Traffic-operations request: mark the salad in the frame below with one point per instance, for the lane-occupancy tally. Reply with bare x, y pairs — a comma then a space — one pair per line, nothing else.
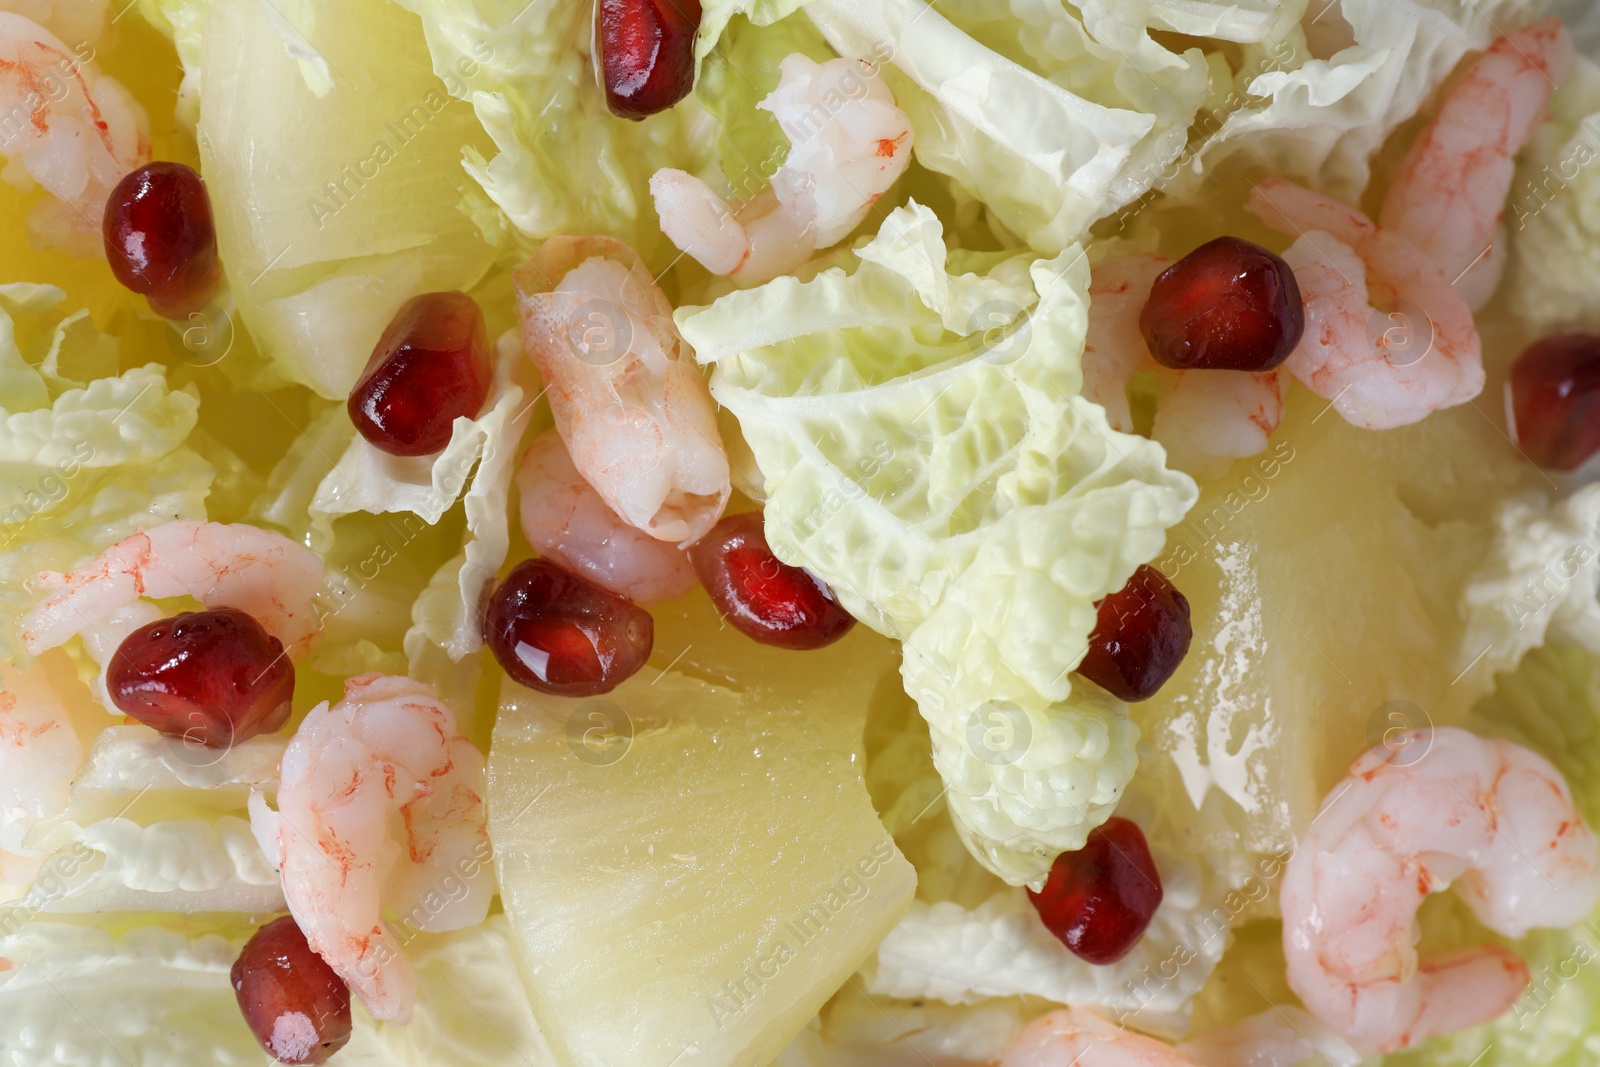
717, 533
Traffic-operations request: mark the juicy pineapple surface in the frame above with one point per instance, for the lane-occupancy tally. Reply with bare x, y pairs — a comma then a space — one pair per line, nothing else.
691, 864
1323, 579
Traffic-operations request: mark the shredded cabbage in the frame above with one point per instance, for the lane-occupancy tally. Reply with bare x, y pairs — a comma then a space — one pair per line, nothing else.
1337, 88
84, 460
565, 164
1024, 107
1553, 216
924, 449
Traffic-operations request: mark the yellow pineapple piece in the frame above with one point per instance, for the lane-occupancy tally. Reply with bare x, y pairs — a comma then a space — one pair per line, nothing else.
691, 864
1323, 579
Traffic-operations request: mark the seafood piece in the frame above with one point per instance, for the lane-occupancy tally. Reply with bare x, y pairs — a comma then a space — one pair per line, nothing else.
66, 127
1113, 348
1078, 1037
848, 142
628, 399
380, 806
1206, 415
40, 751
1085, 1038
567, 521
1410, 820
1387, 339
1210, 415
262, 573
1449, 195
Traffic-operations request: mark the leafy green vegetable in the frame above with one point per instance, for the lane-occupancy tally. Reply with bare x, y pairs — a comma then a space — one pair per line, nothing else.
1336, 89
1554, 213
152, 996
1026, 109
924, 448
565, 164
81, 465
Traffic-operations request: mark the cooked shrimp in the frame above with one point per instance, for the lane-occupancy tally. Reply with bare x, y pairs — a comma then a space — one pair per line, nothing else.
1206, 415
257, 571
1401, 826
1211, 415
1078, 1037
1379, 368
1449, 195
66, 127
848, 142
103, 639
1113, 348
380, 804
565, 519
1083, 1038
628, 399
40, 751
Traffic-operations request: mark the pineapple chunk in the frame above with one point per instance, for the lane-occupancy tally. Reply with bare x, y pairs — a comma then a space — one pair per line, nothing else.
1323, 579
691, 864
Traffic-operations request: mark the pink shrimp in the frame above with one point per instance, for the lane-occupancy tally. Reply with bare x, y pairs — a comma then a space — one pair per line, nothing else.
239, 566
40, 750
1387, 339
848, 143
380, 804
565, 519
1079, 1037
1408, 821
1449, 194
628, 400
72, 130
1205, 415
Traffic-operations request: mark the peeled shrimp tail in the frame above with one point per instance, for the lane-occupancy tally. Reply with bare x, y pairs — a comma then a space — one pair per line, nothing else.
1380, 366
848, 143
1487, 815
629, 401
70, 129
567, 521
698, 221
1449, 195
257, 571
380, 806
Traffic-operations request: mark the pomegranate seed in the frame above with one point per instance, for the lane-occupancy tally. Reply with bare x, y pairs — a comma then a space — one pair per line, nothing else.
1555, 400
431, 367
760, 595
646, 53
1099, 899
294, 1003
557, 633
1228, 305
213, 678
1140, 636
160, 240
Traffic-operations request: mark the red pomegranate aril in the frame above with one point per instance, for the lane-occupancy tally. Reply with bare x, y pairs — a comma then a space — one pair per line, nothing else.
1099, 899
294, 1003
213, 678
1554, 395
761, 596
558, 633
1141, 634
160, 239
431, 366
1228, 305
646, 53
